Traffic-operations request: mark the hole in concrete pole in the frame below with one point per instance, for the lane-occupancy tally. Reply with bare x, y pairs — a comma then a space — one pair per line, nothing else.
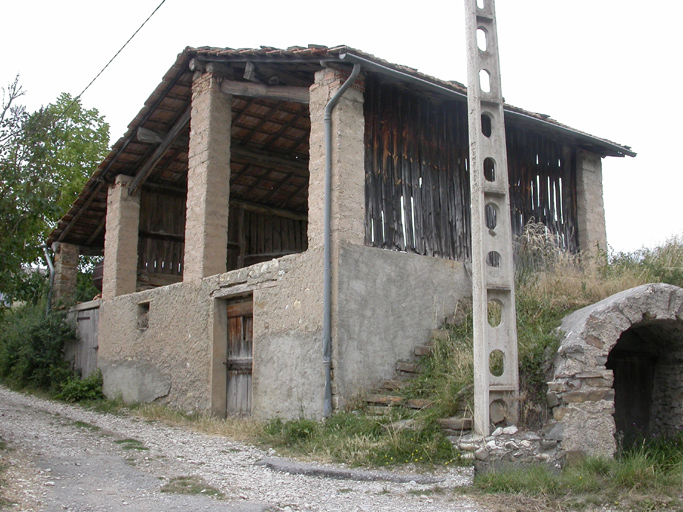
493, 259
482, 39
480, 4
484, 81
495, 312
496, 363
491, 214
486, 124
490, 169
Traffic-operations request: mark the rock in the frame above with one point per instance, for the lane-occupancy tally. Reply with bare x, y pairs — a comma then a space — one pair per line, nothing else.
497, 412
548, 444
497, 432
467, 447
553, 431
525, 443
481, 454
510, 431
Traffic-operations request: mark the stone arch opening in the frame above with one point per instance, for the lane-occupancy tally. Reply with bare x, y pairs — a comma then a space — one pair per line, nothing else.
618, 372
647, 363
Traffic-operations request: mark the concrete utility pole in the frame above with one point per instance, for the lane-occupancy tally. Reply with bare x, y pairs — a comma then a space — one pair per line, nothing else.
496, 379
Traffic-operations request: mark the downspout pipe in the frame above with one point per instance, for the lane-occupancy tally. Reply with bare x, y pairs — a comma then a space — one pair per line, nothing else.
52, 278
327, 242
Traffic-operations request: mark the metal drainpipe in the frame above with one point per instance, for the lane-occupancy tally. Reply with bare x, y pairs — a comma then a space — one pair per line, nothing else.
327, 275
52, 278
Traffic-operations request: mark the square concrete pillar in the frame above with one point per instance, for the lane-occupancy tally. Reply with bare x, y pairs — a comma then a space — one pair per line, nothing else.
590, 205
66, 271
120, 271
208, 180
348, 161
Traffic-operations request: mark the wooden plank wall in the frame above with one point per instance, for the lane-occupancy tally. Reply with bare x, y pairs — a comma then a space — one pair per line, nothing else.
417, 195
161, 243
255, 237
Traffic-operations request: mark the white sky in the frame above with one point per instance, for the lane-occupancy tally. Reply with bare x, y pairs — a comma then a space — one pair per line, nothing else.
606, 67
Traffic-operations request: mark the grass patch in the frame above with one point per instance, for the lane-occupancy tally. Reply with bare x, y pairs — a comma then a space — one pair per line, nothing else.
87, 426
362, 440
639, 479
190, 485
131, 444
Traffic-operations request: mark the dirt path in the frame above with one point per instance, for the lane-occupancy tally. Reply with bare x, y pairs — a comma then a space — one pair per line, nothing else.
62, 457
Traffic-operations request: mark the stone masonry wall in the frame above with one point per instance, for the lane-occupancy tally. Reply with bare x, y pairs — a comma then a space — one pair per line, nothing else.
581, 394
208, 180
66, 271
121, 240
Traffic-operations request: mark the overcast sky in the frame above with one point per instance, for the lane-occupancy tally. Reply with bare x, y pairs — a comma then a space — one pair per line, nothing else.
606, 67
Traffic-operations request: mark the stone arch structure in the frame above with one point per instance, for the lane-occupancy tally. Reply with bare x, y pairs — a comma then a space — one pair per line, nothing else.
619, 367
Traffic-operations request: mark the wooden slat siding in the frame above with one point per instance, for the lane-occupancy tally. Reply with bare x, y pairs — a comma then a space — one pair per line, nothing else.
417, 148
161, 234
255, 237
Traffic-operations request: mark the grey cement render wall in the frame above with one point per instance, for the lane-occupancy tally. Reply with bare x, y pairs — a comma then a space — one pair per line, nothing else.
388, 302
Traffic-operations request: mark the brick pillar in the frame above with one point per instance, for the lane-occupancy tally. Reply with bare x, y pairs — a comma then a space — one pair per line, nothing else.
66, 271
590, 206
348, 161
120, 271
208, 180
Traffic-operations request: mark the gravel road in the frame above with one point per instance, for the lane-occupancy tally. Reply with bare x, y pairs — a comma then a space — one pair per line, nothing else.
62, 457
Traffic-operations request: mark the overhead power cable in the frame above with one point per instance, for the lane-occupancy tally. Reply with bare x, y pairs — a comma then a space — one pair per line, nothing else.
110, 61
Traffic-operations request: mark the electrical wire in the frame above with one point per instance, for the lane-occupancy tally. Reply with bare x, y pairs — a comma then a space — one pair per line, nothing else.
75, 100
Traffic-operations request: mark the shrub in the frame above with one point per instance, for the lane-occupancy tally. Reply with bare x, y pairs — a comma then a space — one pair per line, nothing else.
32, 347
76, 389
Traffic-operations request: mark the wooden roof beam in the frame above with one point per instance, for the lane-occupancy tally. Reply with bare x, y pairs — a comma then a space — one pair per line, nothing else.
144, 172
269, 161
274, 92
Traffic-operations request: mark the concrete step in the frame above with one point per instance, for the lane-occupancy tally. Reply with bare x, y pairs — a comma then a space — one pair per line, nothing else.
423, 350
406, 367
381, 399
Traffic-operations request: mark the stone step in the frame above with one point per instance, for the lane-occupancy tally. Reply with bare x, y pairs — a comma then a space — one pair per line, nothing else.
378, 410
455, 423
423, 350
418, 403
381, 399
439, 334
391, 384
406, 367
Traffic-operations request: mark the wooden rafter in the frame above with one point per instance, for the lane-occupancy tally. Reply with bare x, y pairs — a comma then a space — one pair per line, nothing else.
144, 172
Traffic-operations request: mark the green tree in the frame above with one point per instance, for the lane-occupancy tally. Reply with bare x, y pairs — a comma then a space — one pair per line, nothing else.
45, 159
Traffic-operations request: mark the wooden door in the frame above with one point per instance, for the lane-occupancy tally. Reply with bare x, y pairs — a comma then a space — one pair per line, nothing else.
85, 358
239, 362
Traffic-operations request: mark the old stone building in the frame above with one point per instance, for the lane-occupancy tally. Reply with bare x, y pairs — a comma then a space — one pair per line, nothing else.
210, 214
